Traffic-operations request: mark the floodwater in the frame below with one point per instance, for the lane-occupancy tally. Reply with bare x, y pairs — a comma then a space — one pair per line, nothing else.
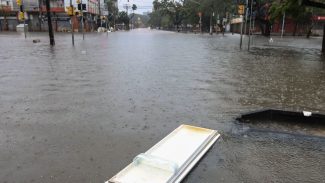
80, 114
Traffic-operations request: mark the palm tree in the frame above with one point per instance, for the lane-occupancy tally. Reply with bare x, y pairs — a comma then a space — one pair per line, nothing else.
134, 7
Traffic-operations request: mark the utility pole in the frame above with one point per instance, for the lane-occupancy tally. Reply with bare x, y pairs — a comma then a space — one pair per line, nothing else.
71, 22
211, 26
40, 14
25, 27
21, 15
127, 8
132, 20
22, 10
4, 14
99, 14
82, 21
250, 25
49, 21
246, 17
106, 21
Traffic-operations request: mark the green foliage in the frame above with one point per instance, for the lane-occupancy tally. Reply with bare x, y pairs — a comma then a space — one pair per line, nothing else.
113, 11
134, 7
292, 9
139, 20
168, 13
123, 18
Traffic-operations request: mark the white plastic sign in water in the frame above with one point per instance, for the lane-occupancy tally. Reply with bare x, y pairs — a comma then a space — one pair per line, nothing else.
170, 160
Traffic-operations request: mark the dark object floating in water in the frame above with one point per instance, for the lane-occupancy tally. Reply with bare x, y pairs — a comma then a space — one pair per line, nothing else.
280, 115
304, 122
36, 40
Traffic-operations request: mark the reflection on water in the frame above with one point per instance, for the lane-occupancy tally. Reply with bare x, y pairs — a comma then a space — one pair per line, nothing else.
99, 104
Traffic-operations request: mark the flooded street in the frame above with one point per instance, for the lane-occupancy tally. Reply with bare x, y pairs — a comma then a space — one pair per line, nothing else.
81, 114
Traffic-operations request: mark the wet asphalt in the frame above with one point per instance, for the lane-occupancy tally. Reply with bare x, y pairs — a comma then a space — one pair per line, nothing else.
80, 114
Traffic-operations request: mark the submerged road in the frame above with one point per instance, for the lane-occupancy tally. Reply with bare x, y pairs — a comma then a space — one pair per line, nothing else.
80, 114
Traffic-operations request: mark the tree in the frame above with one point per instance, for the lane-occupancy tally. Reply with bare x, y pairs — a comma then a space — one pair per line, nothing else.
300, 14
163, 14
262, 16
113, 12
123, 18
134, 7
170, 13
4, 11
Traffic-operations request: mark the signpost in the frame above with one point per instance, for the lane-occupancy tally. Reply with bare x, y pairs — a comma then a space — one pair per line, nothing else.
82, 7
71, 12
21, 14
241, 11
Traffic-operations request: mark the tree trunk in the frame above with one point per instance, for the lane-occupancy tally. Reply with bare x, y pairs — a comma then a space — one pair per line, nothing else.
295, 29
210, 24
6, 28
309, 31
267, 29
262, 29
323, 46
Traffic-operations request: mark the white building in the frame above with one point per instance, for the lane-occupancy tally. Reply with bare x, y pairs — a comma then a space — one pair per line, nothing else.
92, 6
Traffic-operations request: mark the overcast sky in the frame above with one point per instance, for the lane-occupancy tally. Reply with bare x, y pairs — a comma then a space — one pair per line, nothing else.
143, 5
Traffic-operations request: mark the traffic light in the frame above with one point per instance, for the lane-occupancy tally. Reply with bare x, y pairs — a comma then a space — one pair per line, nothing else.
241, 9
19, 2
69, 10
82, 5
21, 16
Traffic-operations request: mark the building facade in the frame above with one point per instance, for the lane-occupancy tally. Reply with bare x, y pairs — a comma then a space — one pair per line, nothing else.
35, 15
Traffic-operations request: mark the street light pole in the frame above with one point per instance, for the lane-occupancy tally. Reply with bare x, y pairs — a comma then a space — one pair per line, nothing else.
49, 21
246, 17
